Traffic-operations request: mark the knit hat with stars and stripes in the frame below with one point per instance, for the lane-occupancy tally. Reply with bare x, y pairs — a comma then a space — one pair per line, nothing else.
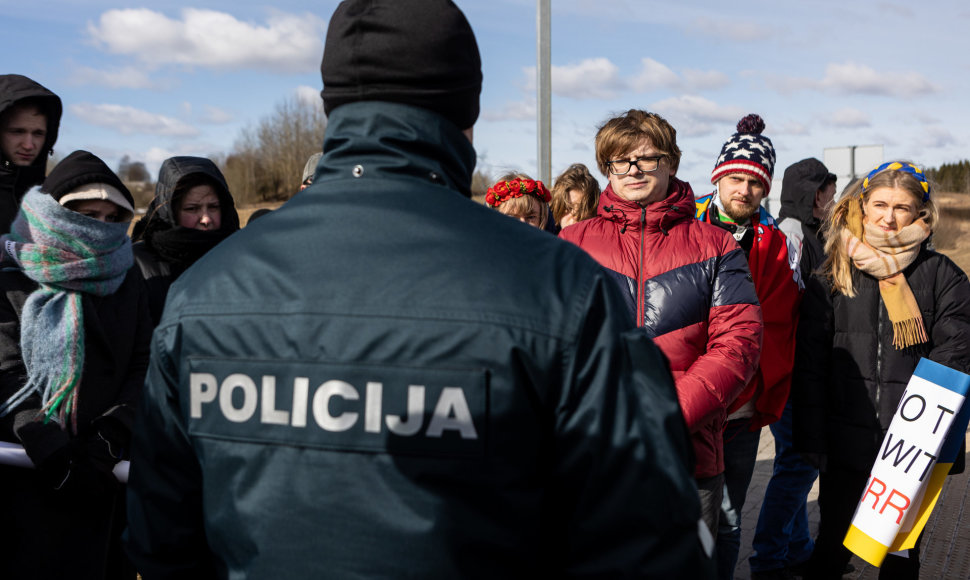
747, 151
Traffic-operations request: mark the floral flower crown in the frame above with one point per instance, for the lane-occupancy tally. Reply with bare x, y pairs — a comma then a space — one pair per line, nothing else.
506, 190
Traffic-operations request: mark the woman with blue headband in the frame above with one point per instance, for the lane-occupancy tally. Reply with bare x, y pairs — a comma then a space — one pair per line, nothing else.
881, 300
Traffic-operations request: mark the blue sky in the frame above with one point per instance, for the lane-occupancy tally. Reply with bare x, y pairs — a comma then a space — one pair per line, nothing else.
167, 77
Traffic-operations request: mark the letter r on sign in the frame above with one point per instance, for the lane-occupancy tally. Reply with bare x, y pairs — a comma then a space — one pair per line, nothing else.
871, 489
901, 507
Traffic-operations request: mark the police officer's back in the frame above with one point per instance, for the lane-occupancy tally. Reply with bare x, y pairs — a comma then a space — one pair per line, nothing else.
384, 379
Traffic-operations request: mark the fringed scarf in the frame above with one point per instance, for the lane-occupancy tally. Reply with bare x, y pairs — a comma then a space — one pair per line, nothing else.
884, 256
66, 253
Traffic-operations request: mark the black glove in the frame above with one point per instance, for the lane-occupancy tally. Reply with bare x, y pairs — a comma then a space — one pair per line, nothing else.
50, 448
105, 446
90, 477
66, 464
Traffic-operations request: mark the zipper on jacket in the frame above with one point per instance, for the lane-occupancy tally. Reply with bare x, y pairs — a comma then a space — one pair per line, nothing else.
641, 311
879, 326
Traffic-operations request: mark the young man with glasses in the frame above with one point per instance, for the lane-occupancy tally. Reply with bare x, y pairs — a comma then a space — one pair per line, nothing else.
686, 283
742, 179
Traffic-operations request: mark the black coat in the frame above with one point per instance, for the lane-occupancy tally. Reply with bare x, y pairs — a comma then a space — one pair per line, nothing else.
161, 221
52, 534
849, 377
16, 180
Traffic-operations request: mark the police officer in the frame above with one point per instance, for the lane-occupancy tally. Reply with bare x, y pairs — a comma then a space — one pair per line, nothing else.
385, 379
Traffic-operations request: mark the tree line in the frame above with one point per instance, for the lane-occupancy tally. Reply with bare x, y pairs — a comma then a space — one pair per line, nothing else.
951, 177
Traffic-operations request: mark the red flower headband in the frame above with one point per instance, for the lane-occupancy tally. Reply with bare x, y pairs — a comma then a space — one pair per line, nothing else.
506, 190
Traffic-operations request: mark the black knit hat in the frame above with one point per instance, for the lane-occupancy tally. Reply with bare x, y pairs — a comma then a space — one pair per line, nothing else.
415, 52
809, 171
83, 168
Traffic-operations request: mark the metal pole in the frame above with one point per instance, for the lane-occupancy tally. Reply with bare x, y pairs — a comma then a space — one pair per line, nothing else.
544, 91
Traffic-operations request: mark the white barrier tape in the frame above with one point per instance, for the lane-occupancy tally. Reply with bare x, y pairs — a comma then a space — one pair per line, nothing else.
13, 454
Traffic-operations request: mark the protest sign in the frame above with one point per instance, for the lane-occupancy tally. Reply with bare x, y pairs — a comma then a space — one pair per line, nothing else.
919, 448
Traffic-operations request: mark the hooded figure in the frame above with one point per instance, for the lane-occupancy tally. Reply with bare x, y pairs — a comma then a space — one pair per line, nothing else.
165, 247
806, 191
15, 178
74, 334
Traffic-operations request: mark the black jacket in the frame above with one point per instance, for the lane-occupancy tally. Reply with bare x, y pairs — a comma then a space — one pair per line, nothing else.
797, 218
16, 180
69, 532
160, 222
849, 377
444, 391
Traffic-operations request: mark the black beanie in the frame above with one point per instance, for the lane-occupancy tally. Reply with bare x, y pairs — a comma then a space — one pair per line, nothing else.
82, 168
415, 52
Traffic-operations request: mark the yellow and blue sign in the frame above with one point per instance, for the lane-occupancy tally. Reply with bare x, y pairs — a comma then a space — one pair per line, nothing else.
915, 457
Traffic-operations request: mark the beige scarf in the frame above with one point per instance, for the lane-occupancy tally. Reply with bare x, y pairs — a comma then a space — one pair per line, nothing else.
884, 256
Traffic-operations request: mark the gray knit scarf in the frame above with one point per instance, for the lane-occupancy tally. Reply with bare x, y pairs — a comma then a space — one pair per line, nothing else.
66, 253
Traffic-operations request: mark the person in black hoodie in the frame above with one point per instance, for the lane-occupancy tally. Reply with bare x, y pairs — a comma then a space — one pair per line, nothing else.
74, 339
29, 118
192, 212
782, 541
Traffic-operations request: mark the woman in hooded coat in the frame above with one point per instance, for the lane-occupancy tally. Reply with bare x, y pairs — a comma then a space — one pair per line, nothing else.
192, 212
74, 338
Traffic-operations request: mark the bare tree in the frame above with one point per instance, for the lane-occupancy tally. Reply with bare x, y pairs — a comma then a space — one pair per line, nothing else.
267, 160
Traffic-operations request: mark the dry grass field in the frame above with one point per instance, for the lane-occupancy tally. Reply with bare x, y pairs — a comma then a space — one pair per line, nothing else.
952, 234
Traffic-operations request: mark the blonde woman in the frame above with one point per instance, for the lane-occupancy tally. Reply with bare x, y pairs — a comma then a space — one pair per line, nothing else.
881, 300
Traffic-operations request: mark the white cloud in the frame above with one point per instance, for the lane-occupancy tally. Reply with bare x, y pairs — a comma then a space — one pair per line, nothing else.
695, 116
309, 95
654, 75
591, 78
512, 111
698, 108
852, 78
206, 38
128, 77
847, 118
132, 121
216, 116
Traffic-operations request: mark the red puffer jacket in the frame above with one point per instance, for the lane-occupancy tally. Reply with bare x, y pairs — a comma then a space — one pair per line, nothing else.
689, 286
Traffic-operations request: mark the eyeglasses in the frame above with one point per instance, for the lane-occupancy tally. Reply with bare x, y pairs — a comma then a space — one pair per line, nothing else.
646, 164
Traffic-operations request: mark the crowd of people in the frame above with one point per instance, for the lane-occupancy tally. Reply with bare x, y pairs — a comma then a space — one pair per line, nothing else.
385, 379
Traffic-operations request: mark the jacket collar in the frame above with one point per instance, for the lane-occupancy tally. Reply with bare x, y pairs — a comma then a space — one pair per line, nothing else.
378, 138
658, 216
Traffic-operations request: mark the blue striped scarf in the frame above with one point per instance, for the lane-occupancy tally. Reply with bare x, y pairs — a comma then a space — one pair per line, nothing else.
66, 253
